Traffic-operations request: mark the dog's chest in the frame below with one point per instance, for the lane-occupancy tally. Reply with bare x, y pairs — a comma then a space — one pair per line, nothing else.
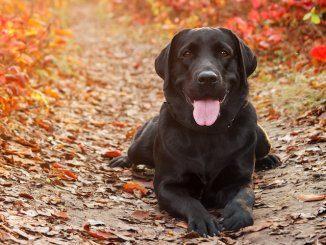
218, 147
213, 153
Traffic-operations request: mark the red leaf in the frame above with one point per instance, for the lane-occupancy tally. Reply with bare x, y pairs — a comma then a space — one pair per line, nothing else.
58, 165
65, 170
130, 187
119, 124
112, 154
99, 234
256, 3
70, 174
254, 16
2, 78
319, 52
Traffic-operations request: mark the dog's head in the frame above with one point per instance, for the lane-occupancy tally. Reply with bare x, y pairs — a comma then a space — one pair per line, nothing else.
205, 74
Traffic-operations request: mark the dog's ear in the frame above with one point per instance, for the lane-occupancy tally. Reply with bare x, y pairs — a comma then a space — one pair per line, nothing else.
162, 62
247, 57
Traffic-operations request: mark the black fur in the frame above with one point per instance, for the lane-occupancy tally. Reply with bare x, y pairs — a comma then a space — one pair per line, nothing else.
200, 167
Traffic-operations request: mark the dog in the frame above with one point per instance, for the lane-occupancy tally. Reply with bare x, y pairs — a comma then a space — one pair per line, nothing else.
205, 142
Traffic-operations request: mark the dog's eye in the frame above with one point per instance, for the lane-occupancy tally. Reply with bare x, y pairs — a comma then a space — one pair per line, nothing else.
186, 53
224, 53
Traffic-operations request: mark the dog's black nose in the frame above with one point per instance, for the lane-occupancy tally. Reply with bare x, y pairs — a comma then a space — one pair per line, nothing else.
207, 77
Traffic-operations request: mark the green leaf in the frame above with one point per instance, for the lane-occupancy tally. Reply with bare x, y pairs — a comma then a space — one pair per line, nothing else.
315, 19
307, 16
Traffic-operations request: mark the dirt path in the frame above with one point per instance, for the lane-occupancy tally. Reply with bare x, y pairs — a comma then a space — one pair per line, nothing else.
99, 115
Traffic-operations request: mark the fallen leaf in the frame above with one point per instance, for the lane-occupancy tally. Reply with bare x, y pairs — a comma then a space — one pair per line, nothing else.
191, 235
102, 234
61, 215
64, 170
182, 224
119, 124
51, 93
112, 154
311, 197
130, 187
44, 124
132, 132
140, 215
58, 165
273, 114
257, 227
70, 174
26, 195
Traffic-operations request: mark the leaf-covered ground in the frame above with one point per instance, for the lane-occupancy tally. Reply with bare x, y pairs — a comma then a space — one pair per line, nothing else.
57, 189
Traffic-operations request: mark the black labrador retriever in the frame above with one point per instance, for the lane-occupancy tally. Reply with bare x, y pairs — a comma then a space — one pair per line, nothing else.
206, 141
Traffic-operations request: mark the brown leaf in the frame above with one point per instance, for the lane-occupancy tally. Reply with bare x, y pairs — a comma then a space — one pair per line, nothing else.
44, 124
140, 215
182, 224
191, 235
131, 133
257, 227
61, 215
273, 114
26, 195
2, 218
35, 147
311, 197
98, 124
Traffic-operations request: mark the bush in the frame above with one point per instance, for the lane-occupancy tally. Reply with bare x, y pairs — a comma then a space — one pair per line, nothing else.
31, 37
288, 25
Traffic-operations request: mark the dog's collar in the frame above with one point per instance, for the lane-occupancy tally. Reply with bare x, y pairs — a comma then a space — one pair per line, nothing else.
244, 105
229, 123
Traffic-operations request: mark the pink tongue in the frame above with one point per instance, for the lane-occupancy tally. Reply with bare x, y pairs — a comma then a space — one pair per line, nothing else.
206, 111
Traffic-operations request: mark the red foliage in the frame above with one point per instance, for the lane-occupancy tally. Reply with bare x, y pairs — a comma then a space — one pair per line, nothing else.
265, 26
319, 53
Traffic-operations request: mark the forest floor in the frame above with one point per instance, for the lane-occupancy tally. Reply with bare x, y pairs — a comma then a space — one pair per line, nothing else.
95, 117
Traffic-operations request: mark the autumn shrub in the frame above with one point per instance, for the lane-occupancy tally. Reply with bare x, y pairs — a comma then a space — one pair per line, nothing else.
32, 40
267, 26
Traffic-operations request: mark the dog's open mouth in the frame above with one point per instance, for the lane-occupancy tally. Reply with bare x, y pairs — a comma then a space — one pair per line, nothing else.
206, 111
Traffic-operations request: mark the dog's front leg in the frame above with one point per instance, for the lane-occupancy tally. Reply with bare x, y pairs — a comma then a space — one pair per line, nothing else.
175, 198
238, 211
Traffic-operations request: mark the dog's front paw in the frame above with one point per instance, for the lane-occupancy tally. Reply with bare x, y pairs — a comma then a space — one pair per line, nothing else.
236, 215
268, 162
121, 161
204, 225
